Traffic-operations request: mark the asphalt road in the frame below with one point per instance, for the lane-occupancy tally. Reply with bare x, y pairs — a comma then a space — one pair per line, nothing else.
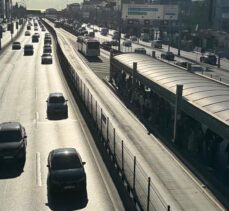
24, 87
221, 74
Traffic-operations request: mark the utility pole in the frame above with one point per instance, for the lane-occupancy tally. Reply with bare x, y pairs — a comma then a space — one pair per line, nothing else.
170, 29
120, 27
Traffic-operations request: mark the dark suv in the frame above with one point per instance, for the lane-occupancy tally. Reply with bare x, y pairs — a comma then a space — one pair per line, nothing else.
56, 105
13, 141
66, 171
168, 56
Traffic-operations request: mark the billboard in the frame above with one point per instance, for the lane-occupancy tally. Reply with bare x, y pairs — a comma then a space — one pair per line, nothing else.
149, 12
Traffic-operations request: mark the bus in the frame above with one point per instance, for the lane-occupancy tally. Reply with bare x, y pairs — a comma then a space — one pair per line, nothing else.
89, 47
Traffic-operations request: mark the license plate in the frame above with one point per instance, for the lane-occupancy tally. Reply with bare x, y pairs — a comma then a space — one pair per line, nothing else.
69, 187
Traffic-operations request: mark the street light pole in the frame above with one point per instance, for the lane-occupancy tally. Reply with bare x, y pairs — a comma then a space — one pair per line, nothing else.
120, 27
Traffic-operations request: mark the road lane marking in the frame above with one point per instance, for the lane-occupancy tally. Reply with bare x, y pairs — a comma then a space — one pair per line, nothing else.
38, 169
36, 93
36, 118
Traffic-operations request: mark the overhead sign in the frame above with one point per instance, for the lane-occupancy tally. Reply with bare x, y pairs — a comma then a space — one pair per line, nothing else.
149, 12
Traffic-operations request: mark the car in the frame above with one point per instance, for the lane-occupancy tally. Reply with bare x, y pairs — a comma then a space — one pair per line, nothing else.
127, 36
115, 35
35, 38
182, 63
127, 43
91, 34
16, 45
47, 34
43, 29
47, 40
35, 28
168, 56
196, 68
47, 49
27, 33
133, 38
140, 50
66, 171
13, 141
56, 105
28, 49
28, 27
156, 44
209, 58
46, 58
114, 42
106, 45
37, 34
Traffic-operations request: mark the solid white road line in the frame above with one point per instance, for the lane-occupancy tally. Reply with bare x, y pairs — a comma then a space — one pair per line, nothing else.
38, 169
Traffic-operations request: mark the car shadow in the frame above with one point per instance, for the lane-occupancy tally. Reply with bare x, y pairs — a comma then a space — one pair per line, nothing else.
56, 118
67, 201
11, 169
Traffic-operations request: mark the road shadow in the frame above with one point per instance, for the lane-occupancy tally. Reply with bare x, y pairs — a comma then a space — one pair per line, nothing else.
11, 169
67, 201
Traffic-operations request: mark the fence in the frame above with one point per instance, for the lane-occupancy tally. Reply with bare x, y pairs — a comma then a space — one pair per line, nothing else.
135, 179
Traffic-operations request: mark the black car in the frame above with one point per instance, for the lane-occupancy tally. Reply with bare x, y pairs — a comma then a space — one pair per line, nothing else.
106, 45
13, 141
140, 50
66, 171
56, 105
35, 38
28, 49
47, 40
209, 59
16, 45
168, 56
46, 58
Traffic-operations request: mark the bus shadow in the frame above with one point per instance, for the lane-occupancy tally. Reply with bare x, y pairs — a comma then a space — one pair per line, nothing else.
67, 201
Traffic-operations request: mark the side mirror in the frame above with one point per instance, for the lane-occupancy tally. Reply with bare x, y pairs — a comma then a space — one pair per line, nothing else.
46, 101
66, 100
48, 165
83, 163
25, 136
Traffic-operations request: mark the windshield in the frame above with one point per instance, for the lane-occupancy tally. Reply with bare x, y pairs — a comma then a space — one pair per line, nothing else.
10, 136
66, 162
56, 100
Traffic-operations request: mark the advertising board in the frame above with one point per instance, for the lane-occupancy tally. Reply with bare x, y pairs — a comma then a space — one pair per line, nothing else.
149, 12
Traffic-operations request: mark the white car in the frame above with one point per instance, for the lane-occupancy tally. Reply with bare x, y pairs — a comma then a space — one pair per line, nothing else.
127, 43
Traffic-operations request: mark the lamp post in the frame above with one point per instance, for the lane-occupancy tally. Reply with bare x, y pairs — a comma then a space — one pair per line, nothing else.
120, 27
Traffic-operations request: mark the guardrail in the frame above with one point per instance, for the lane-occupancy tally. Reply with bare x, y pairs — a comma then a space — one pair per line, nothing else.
136, 181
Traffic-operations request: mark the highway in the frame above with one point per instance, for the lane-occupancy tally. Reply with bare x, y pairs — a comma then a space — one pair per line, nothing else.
177, 186
212, 72
24, 87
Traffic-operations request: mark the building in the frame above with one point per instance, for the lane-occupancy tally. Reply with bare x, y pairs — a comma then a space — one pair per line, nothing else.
2, 9
8, 8
220, 14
